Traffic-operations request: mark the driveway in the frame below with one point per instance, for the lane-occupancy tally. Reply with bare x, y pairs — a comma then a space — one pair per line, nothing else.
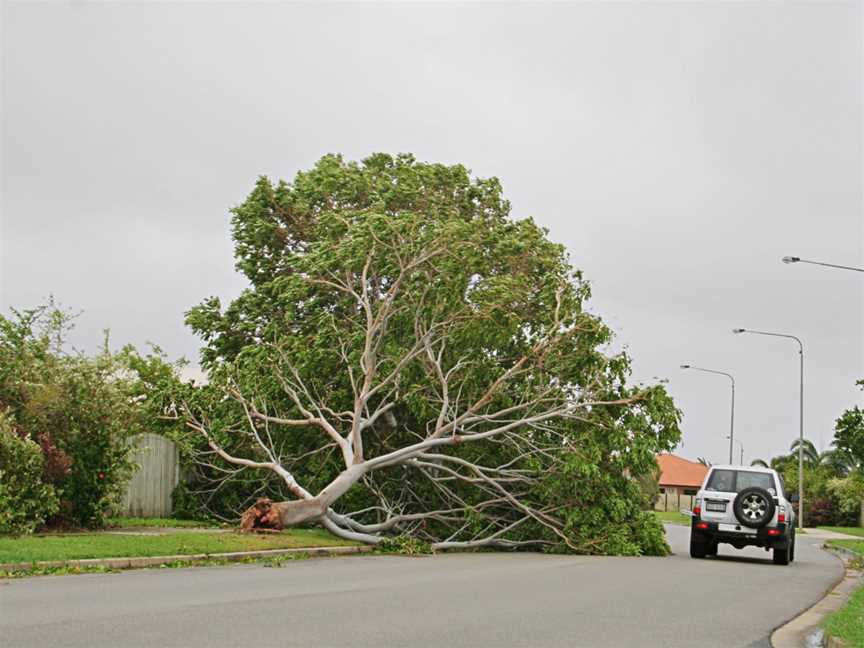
448, 600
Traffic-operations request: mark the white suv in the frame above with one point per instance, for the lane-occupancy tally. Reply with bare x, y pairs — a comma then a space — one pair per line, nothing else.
743, 507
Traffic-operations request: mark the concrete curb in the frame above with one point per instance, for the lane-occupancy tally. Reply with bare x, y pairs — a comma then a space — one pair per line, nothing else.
797, 633
153, 561
848, 554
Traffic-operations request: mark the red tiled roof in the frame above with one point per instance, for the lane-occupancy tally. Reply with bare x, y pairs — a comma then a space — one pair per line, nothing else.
676, 471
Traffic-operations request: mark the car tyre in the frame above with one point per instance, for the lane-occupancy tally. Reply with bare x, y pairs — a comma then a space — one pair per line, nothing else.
792, 548
698, 547
782, 555
754, 507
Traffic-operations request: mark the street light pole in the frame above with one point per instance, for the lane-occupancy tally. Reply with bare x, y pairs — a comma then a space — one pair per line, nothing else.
801, 415
741, 460
732, 419
792, 259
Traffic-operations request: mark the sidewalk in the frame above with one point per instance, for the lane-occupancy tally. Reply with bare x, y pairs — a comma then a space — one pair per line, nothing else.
825, 534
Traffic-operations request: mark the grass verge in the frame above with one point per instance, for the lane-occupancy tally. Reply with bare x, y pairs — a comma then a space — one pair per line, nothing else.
673, 517
855, 531
268, 561
136, 522
847, 623
852, 545
102, 545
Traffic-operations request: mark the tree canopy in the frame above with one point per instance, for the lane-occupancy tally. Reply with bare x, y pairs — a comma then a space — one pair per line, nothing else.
410, 359
849, 433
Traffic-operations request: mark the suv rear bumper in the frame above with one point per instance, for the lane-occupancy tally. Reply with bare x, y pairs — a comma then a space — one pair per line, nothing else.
761, 537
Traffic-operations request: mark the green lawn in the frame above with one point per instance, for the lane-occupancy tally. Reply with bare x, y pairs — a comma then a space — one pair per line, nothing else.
847, 623
852, 545
673, 517
856, 531
134, 522
104, 545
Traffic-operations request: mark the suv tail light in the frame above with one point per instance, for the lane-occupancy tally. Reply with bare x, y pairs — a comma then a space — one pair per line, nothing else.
701, 525
697, 511
781, 515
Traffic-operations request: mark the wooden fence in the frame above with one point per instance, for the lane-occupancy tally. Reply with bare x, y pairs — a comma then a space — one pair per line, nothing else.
149, 491
673, 500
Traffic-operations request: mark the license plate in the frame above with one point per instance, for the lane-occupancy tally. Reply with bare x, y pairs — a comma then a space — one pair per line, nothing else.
716, 506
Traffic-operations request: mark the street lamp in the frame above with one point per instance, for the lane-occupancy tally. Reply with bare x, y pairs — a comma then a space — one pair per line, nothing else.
793, 259
741, 461
801, 415
732, 422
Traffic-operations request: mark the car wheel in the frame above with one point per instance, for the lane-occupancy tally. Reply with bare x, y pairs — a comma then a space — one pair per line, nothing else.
782, 555
754, 507
712, 548
698, 547
792, 548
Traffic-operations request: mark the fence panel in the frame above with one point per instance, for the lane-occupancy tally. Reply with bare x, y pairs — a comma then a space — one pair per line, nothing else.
149, 491
686, 502
673, 500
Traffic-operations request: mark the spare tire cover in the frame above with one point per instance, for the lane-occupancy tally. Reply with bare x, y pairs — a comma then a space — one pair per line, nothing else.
754, 507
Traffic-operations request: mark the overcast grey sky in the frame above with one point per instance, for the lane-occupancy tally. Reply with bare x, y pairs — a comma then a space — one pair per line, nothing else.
679, 150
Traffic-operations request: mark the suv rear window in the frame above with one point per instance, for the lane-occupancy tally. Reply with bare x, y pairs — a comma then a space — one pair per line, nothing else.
734, 481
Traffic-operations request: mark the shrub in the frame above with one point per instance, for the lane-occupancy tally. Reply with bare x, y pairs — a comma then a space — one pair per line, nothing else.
25, 500
848, 493
58, 464
649, 528
76, 410
405, 545
91, 424
821, 512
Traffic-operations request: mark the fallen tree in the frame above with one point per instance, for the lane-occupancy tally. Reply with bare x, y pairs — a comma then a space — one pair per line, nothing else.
433, 359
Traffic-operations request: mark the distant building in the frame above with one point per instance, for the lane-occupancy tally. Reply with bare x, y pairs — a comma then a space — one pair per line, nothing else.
680, 480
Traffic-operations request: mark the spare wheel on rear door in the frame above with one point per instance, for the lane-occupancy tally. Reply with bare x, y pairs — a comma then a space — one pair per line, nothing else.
754, 507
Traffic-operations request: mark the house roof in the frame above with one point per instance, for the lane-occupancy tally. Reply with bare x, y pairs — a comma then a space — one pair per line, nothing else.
677, 471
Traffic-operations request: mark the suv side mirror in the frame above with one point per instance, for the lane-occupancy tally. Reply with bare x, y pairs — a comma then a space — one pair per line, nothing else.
794, 498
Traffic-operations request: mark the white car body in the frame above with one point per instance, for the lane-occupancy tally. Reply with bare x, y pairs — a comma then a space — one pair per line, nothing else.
743, 506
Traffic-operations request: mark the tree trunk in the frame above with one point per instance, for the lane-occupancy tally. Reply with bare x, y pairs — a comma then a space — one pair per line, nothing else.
294, 512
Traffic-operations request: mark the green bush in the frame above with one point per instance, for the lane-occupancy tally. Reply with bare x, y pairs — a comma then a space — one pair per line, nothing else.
78, 410
848, 493
25, 501
649, 529
91, 421
405, 545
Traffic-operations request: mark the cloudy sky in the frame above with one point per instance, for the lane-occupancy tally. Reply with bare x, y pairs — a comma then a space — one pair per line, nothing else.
679, 150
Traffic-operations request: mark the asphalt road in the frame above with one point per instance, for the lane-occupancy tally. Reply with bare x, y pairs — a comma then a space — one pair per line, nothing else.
449, 600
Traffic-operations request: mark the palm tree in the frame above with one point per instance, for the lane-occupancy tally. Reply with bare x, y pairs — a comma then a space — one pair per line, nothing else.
780, 462
759, 462
811, 454
837, 461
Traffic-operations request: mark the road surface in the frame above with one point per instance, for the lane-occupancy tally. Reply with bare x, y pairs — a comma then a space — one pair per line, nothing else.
448, 600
